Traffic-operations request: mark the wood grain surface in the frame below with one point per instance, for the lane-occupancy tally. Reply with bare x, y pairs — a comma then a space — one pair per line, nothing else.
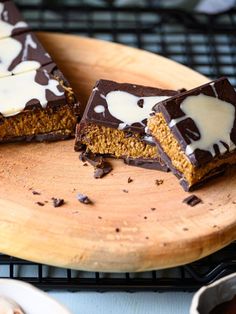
120, 231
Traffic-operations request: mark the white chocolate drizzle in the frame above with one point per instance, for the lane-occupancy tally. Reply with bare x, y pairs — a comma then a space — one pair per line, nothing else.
99, 109
124, 107
10, 48
28, 43
214, 89
7, 28
17, 90
214, 119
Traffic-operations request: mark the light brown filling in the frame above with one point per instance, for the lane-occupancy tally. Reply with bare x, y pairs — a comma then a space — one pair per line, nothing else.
30, 122
161, 131
103, 140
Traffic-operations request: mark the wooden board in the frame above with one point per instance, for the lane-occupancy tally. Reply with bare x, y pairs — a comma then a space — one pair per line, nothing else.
119, 232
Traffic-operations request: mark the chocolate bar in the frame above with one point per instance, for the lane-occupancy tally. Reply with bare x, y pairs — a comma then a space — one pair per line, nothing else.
36, 100
196, 132
46, 110
11, 22
114, 123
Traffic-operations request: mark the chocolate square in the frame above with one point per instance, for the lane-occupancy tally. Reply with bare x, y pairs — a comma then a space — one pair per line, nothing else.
98, 100
187, 129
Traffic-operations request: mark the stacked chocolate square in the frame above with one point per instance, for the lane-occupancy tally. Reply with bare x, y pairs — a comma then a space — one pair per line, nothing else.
36, 101
193, 133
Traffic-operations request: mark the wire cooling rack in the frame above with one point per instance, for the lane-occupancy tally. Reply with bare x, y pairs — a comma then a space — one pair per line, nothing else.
204, 43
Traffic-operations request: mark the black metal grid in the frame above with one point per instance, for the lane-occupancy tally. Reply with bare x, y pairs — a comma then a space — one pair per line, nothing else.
183, 278
206, 44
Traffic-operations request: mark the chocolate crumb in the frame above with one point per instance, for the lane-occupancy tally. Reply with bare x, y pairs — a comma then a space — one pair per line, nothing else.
125, 191
40, 203
57, 202
215, 226
101, 170
145, 217
130, 180
117, 230
153, 208
185, 229
94, 159
192, 200
83, 199
85, 164
36, 193
99, 217
159, 182
147, 238
233, 202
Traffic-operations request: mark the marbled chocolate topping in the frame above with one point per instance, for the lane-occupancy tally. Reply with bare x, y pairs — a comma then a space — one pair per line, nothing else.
203, 120
123, 106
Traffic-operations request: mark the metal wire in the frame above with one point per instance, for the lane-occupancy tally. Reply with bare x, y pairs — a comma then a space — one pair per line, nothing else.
206, 44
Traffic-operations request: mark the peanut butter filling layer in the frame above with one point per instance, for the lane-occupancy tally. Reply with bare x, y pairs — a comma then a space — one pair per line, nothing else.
104, 140
161, 131
39, 121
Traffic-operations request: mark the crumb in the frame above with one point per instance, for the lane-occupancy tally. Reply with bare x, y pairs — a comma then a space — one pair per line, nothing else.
36, 193
215, 226
130, 180
125, 191
159, 182
147, 238
83, 199
145, 217
192, 200
101, 167
153, 208
85, 164
99, 217
228, 196
40, 203
57, 202
185, 229
233, 202
117, 230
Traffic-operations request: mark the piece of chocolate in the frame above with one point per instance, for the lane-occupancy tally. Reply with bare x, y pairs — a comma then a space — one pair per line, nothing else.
115, 119
46, 110
101, 170
196, 132
192, 200
101, 167
57, 202
83, 199
21, 53
11, 22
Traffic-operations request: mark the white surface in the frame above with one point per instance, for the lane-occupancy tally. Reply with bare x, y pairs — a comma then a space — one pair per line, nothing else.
125, 303
30, 299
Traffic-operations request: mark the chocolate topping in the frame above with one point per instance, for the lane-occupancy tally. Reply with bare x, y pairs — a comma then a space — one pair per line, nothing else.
186, 129
104, 117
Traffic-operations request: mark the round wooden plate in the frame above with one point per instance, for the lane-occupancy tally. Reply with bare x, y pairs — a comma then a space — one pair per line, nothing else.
149, 227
